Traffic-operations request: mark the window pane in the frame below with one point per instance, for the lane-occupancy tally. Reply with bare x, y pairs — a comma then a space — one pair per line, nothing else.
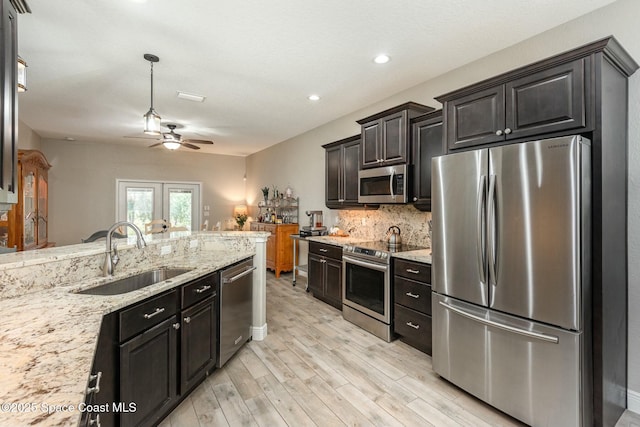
180, 208
139, 206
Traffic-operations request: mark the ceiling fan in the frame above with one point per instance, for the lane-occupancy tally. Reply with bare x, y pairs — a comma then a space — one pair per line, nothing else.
173, 141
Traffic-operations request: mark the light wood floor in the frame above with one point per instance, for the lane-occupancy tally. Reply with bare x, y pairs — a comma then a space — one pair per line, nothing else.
316, 369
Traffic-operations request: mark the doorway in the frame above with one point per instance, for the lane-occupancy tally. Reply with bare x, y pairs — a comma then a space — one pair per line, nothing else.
142, 201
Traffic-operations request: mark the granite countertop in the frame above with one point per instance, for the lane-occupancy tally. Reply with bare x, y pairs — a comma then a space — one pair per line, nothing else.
420, 255
48, 339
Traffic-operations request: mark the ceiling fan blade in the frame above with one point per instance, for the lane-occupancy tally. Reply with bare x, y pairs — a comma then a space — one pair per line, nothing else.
155, 145
197, 141
186, 144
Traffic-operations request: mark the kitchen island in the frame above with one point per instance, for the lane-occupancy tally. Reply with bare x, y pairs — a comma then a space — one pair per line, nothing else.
48, 334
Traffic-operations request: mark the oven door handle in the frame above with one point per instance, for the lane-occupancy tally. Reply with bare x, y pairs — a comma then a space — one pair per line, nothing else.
365, 264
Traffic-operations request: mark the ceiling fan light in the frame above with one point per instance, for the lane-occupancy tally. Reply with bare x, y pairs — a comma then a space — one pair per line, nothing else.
152, 122
171, 145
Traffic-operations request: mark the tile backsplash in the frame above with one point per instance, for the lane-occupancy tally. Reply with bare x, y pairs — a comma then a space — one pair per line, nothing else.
373, 224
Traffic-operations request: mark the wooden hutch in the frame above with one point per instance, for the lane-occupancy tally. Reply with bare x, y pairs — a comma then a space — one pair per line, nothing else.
25, 226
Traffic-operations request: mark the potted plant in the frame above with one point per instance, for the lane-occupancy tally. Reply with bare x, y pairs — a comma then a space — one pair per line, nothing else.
265, 194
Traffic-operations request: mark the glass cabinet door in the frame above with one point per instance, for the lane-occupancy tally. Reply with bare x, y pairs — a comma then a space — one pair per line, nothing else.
29, 204
43, 194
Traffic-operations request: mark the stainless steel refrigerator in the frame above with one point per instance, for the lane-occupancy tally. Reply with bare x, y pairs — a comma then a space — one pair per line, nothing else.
511, 277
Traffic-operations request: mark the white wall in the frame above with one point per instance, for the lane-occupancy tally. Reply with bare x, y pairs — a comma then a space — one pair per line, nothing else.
82, 182
300, 160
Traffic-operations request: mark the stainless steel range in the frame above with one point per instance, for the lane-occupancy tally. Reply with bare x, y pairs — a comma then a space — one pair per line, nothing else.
366, 294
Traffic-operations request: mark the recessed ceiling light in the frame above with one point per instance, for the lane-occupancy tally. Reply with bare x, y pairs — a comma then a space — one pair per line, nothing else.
69, 138
314, 98
381, 59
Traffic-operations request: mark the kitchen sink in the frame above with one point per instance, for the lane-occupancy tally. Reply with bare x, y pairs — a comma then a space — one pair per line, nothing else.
133, 283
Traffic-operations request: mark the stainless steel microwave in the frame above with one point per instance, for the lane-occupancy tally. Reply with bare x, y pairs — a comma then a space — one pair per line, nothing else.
387, 184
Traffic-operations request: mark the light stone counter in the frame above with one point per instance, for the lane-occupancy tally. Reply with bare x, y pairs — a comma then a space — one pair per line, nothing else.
420, 255
48, 335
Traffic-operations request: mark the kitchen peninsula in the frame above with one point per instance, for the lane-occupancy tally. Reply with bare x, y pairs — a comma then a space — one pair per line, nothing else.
49, 333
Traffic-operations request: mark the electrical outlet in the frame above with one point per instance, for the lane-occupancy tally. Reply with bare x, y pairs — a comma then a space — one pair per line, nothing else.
165, 250
363, 221
193, 244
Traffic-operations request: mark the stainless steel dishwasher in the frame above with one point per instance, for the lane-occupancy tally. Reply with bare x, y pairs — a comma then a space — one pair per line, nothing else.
236, 308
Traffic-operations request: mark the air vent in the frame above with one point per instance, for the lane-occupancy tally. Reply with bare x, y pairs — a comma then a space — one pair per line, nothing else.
21, 6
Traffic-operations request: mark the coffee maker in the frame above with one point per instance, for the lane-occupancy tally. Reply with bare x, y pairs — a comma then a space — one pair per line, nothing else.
315, 227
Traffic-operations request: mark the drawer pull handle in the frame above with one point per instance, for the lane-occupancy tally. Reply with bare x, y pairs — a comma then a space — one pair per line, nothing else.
187, 320
176, 326
96, 388
323, 250
203, 289
155, 313
409, 294
413, 326
412, 271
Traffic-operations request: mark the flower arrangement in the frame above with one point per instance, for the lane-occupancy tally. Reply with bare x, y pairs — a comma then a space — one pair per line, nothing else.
241, 218
265, 193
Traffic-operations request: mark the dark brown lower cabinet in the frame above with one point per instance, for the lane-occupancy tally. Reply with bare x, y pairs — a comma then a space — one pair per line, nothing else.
198, 343
325, 273
148, 374
412, 303
151, 354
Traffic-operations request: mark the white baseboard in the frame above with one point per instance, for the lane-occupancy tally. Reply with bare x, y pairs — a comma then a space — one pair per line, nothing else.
259, 333
633, 401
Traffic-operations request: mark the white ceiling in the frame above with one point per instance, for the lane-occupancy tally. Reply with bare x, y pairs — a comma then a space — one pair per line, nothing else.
255, 61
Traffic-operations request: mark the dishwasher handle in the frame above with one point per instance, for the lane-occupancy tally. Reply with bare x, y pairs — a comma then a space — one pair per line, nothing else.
238, 276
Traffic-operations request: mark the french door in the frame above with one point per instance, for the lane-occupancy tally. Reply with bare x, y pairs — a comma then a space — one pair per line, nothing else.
141, 202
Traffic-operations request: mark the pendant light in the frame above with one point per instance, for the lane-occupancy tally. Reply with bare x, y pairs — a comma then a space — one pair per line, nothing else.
151, 119
22, 75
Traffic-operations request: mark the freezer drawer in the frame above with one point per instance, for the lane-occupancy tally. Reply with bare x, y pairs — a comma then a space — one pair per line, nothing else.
531, 371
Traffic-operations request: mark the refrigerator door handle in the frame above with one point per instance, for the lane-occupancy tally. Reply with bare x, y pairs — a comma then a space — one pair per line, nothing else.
481, 230
536, 335
491, 232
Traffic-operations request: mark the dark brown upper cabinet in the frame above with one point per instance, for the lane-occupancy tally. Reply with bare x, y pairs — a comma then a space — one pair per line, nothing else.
342, 160
540, 101
427, 142
385, 135
8, 105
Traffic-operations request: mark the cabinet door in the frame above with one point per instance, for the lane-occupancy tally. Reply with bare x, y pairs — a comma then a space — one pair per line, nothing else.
29, 208
549, 101
316, 274
394, 139
42, 208
475, 119
351, 158
369, 146
271, 246
333, 280
198, 343
333, 175
148, 372
8, 104
427, 144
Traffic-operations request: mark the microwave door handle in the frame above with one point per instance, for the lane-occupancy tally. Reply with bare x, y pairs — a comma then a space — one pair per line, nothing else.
393, 173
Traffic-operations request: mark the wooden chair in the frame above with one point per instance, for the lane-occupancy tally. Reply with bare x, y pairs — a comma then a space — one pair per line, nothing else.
157, 226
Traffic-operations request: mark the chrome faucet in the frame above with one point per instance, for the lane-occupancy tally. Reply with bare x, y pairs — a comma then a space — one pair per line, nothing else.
110, 261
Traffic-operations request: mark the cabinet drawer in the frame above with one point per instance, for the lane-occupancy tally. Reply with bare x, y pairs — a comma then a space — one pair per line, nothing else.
199, 289
147, 314
412, 294
323, 249
412, 270
414, 327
